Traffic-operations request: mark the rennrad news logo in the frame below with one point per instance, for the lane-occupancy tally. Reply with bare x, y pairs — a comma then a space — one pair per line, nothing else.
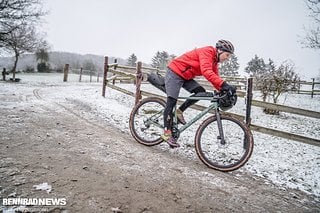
34, 201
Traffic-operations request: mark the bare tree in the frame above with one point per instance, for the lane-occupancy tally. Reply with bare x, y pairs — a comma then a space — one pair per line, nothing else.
17, 13
276, 81
264, 79
284, 79
272, 80
22, 40
312, 37
18, 21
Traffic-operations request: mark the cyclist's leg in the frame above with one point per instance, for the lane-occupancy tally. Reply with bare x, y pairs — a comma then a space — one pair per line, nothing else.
168, 118
167, 114
173, 84
193, 87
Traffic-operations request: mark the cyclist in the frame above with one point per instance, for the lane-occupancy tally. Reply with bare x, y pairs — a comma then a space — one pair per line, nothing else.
181, 73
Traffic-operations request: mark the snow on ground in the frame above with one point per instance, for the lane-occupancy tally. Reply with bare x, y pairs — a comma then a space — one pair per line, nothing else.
283, 162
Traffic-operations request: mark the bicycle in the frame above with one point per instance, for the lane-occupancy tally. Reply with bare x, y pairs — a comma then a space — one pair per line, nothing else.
222, 142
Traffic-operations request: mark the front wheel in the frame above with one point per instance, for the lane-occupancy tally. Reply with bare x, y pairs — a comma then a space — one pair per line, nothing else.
225, 156
146, 121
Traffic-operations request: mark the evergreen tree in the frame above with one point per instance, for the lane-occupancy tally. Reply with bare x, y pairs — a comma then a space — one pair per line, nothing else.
270, 67
230, 67
160, 60
256, 66
42, 56
89, 65
132, 60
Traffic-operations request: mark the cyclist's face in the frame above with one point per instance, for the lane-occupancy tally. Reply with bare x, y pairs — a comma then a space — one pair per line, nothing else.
224, 56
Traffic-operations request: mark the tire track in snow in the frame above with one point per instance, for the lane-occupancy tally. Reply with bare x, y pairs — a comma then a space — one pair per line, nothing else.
39, 97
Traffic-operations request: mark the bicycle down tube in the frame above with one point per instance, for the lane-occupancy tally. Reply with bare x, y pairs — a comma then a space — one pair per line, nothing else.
199, 115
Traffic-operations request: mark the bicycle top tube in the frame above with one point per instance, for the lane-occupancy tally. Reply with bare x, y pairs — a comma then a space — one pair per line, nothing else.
210, 96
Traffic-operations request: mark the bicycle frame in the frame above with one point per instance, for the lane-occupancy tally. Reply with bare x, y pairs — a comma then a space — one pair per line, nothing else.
212, 106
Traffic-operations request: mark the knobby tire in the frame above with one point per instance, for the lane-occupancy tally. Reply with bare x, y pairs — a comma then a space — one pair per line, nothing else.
145, 120
224, 157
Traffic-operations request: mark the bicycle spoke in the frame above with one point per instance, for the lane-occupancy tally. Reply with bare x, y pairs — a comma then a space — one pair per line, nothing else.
223, 156
146, 121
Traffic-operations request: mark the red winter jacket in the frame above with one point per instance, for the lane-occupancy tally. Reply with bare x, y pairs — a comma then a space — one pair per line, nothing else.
201, 61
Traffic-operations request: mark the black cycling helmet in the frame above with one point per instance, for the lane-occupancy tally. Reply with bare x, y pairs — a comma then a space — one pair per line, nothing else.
225, 45
228, 101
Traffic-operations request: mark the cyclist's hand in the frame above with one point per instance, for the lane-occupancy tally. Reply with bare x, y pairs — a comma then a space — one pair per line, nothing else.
230, 89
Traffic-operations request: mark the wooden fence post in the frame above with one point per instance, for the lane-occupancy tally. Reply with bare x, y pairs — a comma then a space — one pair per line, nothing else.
65, 71
249, 101
4, 73
105, 73
80, 76
138, 82
312, 89
114, 67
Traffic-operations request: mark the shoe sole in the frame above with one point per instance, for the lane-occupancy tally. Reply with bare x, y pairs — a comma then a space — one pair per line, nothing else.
173, 145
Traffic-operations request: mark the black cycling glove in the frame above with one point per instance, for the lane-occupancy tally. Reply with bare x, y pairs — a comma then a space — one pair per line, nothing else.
228, 88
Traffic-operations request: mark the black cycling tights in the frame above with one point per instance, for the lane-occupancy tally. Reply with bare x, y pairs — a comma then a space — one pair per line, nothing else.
171, 102
167, 114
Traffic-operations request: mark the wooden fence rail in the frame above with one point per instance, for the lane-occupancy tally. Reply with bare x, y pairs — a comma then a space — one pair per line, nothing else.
139, 73
292, 110
313, 90
68, 70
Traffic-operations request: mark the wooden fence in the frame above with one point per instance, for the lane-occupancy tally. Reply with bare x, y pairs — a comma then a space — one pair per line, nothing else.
114, 72
67, 69
313, 86
241, 82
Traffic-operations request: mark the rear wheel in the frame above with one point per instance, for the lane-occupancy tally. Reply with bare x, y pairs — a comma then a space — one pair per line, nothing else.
228, 156
146, 121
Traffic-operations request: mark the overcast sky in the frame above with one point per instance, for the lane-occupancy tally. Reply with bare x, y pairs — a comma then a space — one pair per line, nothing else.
268, 28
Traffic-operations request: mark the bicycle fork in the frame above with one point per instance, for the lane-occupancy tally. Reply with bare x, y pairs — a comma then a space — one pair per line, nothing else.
221, 135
